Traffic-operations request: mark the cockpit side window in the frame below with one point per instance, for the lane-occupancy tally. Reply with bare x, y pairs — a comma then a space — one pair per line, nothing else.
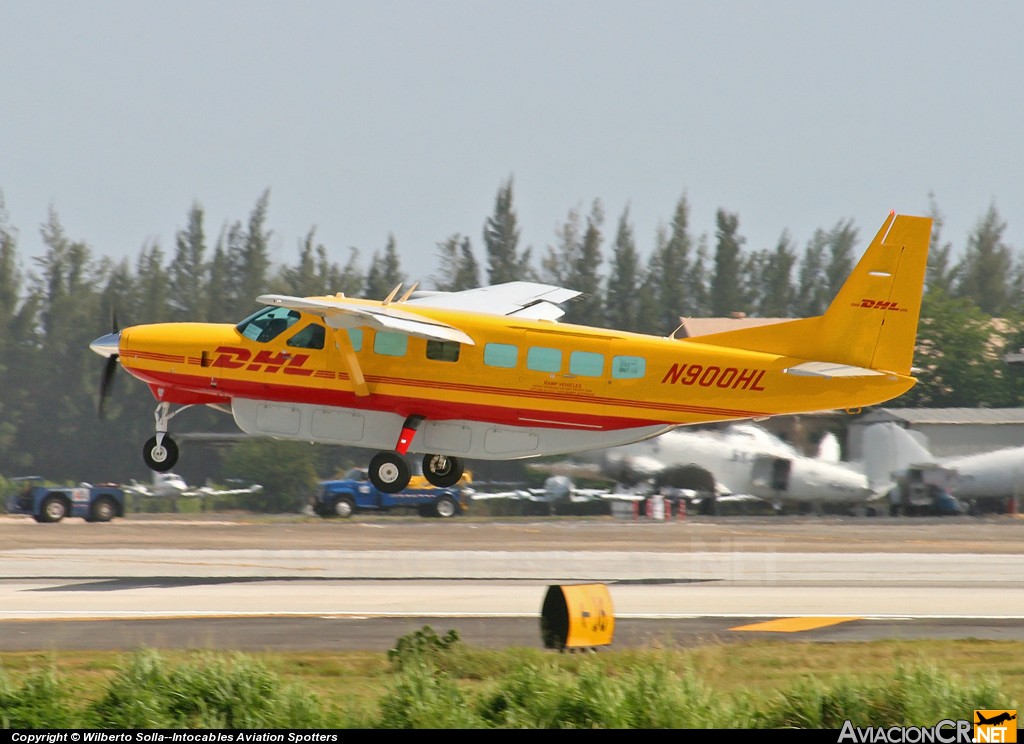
267, 324
310, 337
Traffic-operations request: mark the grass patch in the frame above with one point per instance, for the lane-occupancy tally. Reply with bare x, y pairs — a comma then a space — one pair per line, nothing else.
431, 680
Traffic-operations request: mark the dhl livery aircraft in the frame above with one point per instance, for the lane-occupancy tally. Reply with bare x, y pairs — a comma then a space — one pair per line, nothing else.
490, 374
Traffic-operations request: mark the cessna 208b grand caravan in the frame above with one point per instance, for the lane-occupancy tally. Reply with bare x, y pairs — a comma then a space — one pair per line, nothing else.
490, 374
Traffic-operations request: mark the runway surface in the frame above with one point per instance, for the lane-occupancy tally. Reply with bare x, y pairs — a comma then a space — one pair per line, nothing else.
292, 583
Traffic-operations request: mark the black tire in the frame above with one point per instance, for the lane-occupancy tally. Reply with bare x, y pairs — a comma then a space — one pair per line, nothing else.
446, 507
343, 507
443, 471
389, 472
163, 458
103, 510
53, 509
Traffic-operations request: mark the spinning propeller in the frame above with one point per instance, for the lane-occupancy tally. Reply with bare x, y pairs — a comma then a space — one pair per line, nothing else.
108, 346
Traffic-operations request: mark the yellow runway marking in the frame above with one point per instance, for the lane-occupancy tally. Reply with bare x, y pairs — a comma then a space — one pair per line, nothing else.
795, 624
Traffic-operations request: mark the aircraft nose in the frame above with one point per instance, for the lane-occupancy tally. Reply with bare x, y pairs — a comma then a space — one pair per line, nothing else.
107, 346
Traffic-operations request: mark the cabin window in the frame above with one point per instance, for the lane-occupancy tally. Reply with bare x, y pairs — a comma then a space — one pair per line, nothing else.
586, 364
355, 335
543, 359
501, 355
628, 367
310, 337
443, 351
267, 324
390, 344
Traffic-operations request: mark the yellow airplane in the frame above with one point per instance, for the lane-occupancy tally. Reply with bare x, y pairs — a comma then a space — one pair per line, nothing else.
490, 374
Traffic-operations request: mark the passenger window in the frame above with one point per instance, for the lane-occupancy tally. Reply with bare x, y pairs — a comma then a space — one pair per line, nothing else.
586, 364
355, 335
443, 351
543, 359
310, 337
501, 355
628, 367
390, 344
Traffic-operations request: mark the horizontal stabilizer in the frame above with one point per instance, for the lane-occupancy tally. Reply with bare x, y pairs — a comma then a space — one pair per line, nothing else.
829, 369
384, 318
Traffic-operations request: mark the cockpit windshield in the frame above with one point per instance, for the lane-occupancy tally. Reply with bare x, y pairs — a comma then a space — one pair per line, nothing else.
268, 323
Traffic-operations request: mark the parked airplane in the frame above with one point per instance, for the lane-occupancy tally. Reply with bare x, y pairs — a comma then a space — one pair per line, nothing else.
919, 475
172, 485
744, 460
486, 373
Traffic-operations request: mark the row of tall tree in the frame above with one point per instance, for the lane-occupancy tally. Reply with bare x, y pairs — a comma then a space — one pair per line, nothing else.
51, 309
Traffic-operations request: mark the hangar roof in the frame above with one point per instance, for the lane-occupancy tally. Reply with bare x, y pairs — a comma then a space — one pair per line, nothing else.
946, 415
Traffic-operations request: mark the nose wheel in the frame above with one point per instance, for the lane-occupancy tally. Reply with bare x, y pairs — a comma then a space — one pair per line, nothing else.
389, 472
161, 452
160, 456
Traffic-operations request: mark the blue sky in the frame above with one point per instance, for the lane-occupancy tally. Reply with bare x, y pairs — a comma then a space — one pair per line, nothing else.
366, 119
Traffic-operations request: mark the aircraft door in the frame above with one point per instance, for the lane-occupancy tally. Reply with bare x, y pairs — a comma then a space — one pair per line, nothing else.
773, 472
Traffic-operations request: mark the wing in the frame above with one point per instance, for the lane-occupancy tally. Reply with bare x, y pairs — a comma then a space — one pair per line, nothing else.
342, 314
518, 299
211, 491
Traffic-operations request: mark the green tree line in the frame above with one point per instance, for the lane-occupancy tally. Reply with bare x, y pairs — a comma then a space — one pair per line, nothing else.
69, 295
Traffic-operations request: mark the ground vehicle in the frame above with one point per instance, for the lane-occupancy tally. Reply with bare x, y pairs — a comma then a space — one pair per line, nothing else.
355, 492
45, 503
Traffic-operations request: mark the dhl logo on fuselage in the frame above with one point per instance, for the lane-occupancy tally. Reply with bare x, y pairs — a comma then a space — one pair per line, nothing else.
233, 357
879, 305
733, 378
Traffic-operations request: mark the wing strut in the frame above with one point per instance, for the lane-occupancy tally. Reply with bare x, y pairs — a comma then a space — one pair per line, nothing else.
343, 342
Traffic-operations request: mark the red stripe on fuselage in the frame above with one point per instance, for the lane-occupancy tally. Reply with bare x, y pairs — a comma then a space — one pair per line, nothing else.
515, 413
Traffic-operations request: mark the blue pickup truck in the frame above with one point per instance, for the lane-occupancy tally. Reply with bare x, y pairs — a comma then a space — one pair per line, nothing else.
355, 493
99, 503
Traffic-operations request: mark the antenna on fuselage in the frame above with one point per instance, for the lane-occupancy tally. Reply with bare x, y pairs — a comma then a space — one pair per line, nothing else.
390, 297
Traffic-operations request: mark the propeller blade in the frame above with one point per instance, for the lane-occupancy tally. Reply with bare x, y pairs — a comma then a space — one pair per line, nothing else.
107, 383
108, 346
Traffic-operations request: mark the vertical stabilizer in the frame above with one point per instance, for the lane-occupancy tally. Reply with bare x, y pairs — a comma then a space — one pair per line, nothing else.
872, 322
876, 312
890, 449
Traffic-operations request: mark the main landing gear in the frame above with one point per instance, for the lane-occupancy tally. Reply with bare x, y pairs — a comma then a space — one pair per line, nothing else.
389, 470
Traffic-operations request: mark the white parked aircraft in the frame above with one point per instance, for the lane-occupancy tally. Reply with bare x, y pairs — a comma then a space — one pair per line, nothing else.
904, 457
172, 485
746, 461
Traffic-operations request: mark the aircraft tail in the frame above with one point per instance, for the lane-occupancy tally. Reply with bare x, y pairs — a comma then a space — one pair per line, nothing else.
889, 449
829, 449
871, 324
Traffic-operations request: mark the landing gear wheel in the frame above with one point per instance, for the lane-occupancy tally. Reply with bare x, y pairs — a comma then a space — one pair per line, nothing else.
442, 471
160, 458
389, 472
